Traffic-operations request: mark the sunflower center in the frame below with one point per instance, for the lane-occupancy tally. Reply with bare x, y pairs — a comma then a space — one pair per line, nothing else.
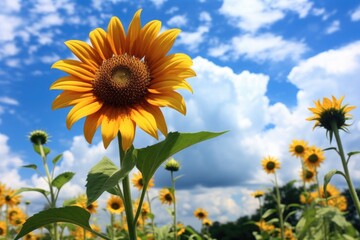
90, 207
7, 198
270, 165
313, 158
122, 81
299, 149
115, 206
168, 197
201, 215
140, 182
1, 231
309, 174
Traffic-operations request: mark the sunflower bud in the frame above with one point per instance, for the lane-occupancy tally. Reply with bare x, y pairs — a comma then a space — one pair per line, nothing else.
38, 137
172, 165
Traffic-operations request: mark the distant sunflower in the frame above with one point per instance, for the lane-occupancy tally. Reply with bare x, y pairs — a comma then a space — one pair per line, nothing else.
115, 205
122, 80
207, 222
201, 213
166, 197
10, 197
330, 110
145, 209
313, 157
16, 216
264, 226
258, 194
270, 164
308, 175
298, 147
138, 182
331, 191
3, 228
180, 229
81, 201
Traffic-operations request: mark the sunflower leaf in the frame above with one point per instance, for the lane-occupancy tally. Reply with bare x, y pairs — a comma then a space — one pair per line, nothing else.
105, 175
39, 190
149, 159
37, 149
33, 166
57, 158
70, 214
62, 179
329, 175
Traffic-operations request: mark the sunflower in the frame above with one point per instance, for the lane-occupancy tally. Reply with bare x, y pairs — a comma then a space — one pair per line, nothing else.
308, 175
166, 196
207, 222
3, 229
298, 148
331, 191
289, 235
180, 229
122, 80
330, 110
81, 201
201, 213
264, 226
270, 164
115, 205
137, 181
307, 197
258, 194
10, 197
313, 157
145, 209
16, 216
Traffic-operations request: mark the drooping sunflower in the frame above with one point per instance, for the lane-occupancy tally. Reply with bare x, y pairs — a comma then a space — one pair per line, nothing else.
122, 80
313, 157
270, 164
3, 228
115, 205
137, 181
201, 213
166, 196
330, 110
298, 147
258, 194
308, 175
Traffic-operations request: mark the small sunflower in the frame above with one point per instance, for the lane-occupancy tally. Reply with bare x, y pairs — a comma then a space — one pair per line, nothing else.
201, 213
81, 201
264, 226
115, 205
308, 175
122, 80
145, 209
10, 197
207, 222
313, 157
258, 194
3, 228
166, 196
330, 110
298, 148
137, 181
180, 229
270, 164
331, 191
16, 216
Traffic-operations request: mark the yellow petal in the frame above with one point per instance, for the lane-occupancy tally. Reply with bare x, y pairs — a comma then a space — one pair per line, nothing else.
147, 35
171, 60
133, 32
92, 122
69, 98
168, 85
116, 36
127, 130
109, 127
169, 99
100, 43
76, 68
84, 52
84, 108
159, 118
72, 83
145, 121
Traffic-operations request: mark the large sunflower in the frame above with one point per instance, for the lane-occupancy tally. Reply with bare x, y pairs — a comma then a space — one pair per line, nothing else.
270, 164
313, 157
166, 196
115, 205
298, 147
122, 80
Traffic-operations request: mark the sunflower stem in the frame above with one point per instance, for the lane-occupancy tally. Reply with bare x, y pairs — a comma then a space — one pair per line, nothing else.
127, 195
353, 194
278, 200
142, 196
152, 219
173, 192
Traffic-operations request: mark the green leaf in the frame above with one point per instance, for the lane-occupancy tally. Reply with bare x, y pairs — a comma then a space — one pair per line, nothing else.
71, 214
57, 158
353, 153
37, 149
329, 175
61, 179
149, 159
105, 175
33, 166
268, 213
39, 190
330, 148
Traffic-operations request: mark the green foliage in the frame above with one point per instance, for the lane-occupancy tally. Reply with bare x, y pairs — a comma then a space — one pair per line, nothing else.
57, 159
33, 166
37, 149
39, 190
62, 179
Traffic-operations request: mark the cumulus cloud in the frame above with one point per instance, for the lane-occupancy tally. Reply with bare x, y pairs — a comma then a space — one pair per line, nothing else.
334, 27
254, 15
193, 39
355, 15
177, 21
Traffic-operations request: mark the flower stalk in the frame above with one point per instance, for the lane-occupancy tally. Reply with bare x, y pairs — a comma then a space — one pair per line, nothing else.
279, 207
174, 203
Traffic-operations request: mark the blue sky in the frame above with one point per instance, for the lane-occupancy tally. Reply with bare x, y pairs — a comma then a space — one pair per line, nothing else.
259, 65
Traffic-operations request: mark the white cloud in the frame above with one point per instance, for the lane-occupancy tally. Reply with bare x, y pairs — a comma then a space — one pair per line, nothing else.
334, 27
9, 101
177, 21
260, 48
50, 58
205, 16
355, 15
8, 30
9, 6
158, 3
256, 14
193, 39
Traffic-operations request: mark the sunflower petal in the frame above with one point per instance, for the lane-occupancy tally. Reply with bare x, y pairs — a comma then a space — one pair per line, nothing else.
75, 68
169, 85
116, 36
109, 126
144, 120
133, 32
169, 99
100, 43
176, 59
147, 35
84, 108
84, 52
69, 98
127, 130
159, 118
72, 83
92, 122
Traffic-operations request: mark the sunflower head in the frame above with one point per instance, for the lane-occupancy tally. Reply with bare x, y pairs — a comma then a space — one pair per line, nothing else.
313, 157
166, 196
207, 222
138, 181
270, 164
298, 148
331, 191
38, 137
10, 197
264, 226
172, 165
308, 175
258, 194
115, 205
201, 213
331, 113
3, 228
122, 79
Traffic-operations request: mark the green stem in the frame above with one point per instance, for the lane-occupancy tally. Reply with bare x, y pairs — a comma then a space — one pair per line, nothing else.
173, 191
278, 200
152, 219
142, 196
112, 221
353, 194
127, 195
